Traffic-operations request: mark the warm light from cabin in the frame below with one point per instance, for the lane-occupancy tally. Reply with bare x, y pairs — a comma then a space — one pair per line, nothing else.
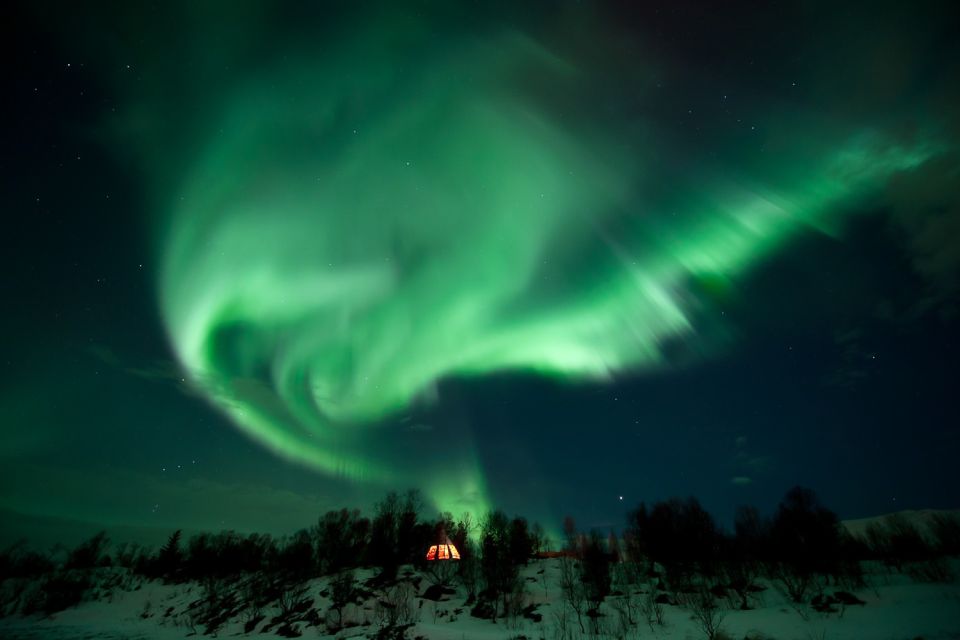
443, 552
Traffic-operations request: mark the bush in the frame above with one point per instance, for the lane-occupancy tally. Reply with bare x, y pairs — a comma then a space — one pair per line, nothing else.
896, 541
228, 554
296, 558
805, 539
707, 614
89, 554
16, 561
496, 563
396, 535
935, 570
595, 570
341, 540
396, 609
521, 543
747, 551
945, 529
59, 591
680, 535
906, 544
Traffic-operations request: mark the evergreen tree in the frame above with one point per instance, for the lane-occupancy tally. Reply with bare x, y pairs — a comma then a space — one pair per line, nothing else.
170, 557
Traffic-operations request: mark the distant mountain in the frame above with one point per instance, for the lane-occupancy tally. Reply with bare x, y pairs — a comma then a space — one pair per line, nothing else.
920, 518
43, 532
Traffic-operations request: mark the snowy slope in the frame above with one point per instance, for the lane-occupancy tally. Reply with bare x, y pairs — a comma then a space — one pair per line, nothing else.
895, 608
919, 518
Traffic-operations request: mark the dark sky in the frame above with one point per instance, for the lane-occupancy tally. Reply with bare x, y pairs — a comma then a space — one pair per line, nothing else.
558, 259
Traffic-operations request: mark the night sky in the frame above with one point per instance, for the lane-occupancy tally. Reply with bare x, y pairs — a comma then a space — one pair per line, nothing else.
262, 260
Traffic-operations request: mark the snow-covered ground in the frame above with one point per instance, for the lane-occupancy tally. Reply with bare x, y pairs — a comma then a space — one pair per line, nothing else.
896, 608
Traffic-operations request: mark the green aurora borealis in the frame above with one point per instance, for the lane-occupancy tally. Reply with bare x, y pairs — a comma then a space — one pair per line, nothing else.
322, 271
271, 258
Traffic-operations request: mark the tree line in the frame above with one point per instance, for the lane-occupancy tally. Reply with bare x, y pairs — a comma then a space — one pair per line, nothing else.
676, 543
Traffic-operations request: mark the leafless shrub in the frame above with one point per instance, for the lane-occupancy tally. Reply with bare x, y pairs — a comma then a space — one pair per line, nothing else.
935, 570
623, 622
651, 609
292, 597
396, 606
252, 593
190, 619
794, 584
516, 600
707, 614
442, 572
562, 625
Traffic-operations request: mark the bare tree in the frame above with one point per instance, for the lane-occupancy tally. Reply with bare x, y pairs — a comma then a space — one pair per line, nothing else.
468, 569
572, 587
515, 601
342, 590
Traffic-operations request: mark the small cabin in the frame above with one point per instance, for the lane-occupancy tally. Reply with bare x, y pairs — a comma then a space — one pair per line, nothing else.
443, 551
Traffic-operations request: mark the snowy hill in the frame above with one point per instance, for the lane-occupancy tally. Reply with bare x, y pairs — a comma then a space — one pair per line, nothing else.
919, 518
893, 607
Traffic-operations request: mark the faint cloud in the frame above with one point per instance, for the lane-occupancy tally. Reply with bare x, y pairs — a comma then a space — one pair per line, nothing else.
163, 371
855, 360
104, 354
760, 463
925, 215
745, 464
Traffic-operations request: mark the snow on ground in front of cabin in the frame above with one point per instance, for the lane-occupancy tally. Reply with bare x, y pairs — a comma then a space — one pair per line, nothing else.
896, 608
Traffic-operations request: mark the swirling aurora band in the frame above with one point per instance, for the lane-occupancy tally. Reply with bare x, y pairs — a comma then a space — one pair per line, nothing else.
327, 262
